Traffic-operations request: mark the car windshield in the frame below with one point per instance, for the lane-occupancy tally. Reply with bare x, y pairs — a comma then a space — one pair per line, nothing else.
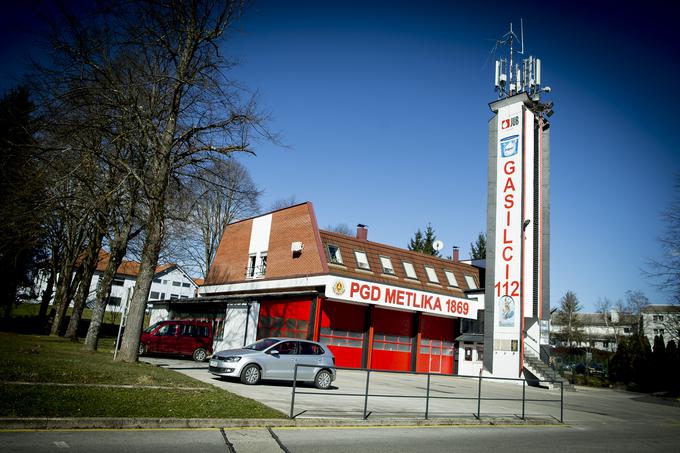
262, 344
151, 327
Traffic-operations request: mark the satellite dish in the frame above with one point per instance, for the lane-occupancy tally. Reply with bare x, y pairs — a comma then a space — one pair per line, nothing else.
438, 245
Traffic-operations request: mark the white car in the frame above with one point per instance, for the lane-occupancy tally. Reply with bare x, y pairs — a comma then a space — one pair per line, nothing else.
275, 358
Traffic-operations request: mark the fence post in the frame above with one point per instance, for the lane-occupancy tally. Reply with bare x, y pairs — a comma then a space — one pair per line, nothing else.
561, 401
524, 392
427, 397
292, 397
479, 396
368, 375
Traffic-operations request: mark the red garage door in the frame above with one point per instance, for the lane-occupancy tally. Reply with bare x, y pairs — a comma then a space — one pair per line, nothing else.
436, 345
392, 339
342, 329
286, 318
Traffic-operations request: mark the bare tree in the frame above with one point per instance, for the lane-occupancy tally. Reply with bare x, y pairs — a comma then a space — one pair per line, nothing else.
219, 194
635, 302
282, 203
340, 228
666, 270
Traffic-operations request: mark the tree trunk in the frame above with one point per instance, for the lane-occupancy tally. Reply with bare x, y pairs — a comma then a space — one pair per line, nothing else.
135, 319
152, 248
88, 265
118, 249
65, 285
46, 297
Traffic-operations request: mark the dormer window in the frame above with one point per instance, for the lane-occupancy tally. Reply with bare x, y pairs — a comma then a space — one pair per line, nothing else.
362, 260
410, 270
386, 263
472, 284
431, 274
257, 265
450, 276
334, 256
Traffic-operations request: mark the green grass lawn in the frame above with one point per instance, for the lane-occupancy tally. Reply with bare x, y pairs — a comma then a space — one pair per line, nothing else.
42, 359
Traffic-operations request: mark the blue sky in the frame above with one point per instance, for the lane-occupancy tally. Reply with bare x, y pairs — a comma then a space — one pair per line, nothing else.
383, 107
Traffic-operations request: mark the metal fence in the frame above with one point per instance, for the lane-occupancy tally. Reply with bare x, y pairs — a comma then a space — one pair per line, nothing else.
428, 397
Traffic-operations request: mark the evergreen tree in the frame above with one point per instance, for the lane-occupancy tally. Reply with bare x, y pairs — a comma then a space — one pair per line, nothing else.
478, 248
424, 243
20, 194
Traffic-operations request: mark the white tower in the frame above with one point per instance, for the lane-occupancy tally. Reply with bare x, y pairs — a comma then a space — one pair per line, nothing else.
517, 302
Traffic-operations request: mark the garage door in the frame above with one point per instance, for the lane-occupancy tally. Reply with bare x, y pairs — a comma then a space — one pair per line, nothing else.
436, 345
392, 340
342, 329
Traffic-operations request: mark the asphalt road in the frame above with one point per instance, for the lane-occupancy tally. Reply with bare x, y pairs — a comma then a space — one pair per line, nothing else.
595, 420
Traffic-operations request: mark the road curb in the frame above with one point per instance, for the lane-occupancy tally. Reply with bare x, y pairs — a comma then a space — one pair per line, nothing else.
47, 423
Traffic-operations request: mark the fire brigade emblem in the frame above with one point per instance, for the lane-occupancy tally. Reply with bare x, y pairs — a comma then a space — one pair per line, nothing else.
339, 288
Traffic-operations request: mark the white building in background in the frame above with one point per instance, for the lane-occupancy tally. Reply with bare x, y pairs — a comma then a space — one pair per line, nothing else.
170, 282
662, 321
598, 331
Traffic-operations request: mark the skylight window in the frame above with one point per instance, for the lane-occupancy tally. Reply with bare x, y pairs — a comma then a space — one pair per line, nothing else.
387, 265
410, 270
472, 284
451, 278
334, 255
431, 274
362, 261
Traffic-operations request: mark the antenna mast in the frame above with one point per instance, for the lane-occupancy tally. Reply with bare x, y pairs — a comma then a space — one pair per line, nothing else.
510, 79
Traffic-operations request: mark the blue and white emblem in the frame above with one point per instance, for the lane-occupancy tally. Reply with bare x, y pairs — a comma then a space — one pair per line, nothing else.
509, 146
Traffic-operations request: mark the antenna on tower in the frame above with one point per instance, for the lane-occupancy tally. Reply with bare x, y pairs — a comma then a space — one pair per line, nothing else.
511, 79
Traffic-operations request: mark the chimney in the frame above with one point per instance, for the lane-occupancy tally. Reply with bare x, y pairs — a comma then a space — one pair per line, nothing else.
456, 257
362, 232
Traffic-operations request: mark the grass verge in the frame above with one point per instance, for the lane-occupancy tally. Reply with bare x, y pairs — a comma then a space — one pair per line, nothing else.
41, 359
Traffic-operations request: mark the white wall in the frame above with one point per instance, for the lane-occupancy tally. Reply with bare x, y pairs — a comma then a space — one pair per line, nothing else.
235, 335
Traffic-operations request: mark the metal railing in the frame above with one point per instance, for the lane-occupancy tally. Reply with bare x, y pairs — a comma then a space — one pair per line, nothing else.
427, 396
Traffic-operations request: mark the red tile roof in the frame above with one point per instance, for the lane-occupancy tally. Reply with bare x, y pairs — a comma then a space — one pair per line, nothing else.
130, 268
349, 267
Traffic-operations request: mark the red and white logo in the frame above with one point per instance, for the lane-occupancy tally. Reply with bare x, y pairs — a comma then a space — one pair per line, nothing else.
509, 122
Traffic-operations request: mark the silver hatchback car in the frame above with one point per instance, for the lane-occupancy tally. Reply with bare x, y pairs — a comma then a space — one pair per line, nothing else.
275, 358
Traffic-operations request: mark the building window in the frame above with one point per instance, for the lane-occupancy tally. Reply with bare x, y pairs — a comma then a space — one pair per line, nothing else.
165, 282
468, 354
115, 301
153, 295
451, 278
334, 255
626, 330
157, 280
472, 284
605, 344
658, 318
183, 297
174, 296
362, 261
185, 285
658, 332
176, 284
386, 265
279, 327
345, 338
162, 296
410, 270
431, 274
257, 265
118, 282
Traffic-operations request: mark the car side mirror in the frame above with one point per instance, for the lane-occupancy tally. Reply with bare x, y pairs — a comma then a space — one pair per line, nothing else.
273, 352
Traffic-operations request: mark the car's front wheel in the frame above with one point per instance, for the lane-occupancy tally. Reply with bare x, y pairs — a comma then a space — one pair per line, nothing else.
323, 380
250, 374
142, 349
200, 354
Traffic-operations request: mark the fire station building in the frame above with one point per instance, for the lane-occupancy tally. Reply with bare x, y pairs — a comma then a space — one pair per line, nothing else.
374, 305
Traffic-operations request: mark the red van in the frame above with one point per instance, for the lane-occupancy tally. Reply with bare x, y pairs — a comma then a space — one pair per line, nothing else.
188, 338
